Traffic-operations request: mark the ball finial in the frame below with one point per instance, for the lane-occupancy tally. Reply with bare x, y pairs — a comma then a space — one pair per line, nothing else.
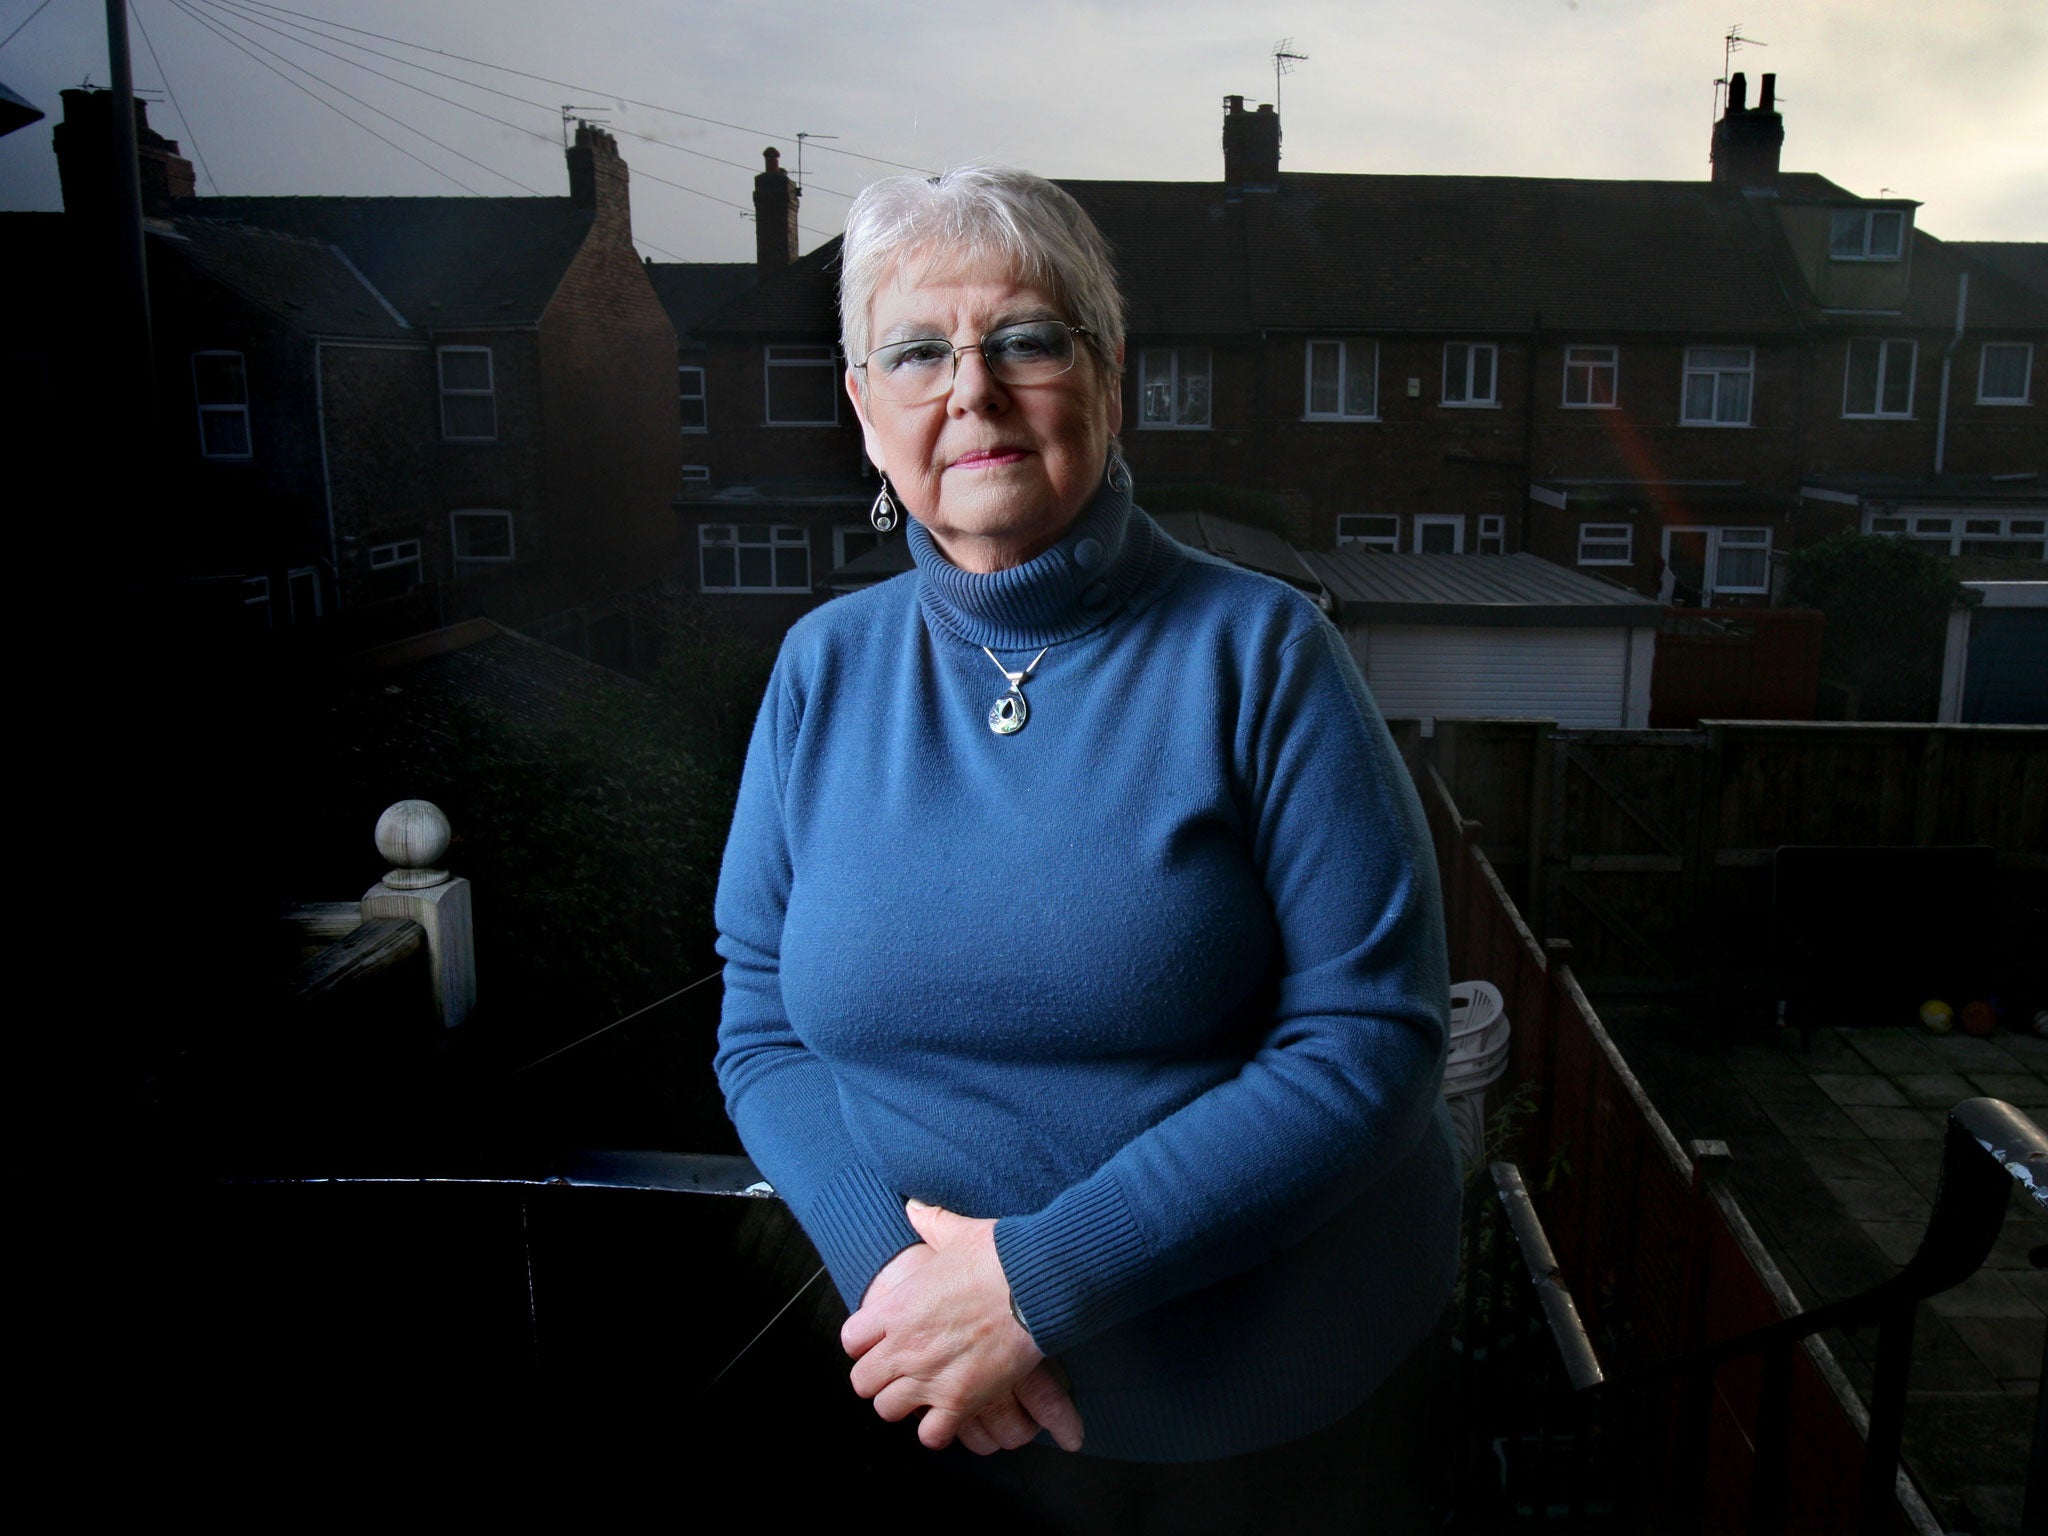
413, 835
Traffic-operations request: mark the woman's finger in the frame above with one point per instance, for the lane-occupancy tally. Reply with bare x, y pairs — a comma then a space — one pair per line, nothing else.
977, 1439
938, 1428
900, 1399
1049, 1403
1009, 1423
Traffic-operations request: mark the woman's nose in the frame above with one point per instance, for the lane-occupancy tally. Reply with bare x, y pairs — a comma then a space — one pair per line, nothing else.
975, 387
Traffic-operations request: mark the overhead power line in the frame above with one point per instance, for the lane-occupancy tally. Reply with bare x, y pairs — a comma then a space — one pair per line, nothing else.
191, 132
31, 16
652, 106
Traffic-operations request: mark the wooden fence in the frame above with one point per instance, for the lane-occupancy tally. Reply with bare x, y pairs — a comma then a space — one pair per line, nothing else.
1652, 850
1735, 663
1651, 1240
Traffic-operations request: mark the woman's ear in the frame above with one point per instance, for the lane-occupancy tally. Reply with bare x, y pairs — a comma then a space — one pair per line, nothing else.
860, 411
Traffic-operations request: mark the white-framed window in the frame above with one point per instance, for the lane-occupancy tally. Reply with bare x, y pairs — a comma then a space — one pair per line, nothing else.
2005, 373
1493, 534
695, 477
401, 557
802, 387
302, 593
852, 540
1719, 562
1439, 535
480, 538
220, 385
1591, 375
1173, 387
1867, 234
1717, 386
1343, 381
256, 599
469, 394
690, 397
753, 557
1879, 378
1607, 544
1471, 373
2007, 535
1372, 529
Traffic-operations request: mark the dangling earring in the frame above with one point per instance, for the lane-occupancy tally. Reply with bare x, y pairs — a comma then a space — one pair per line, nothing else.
1119, 475
884, 514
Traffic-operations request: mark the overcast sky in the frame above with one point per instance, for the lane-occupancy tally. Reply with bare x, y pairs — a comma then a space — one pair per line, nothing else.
1947, 103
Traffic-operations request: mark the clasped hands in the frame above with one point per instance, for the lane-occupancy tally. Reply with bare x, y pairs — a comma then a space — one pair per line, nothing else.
934, 1331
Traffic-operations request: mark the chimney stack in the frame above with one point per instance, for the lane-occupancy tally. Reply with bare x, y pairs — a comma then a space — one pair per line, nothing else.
1747, 140
1251, 148
598, 179
775, 201
84, 142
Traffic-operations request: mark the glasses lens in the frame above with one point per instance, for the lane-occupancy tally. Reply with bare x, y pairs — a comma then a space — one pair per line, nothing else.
909, 371
1029, 353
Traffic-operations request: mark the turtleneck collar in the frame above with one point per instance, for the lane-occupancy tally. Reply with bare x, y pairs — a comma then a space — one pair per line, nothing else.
1062, 594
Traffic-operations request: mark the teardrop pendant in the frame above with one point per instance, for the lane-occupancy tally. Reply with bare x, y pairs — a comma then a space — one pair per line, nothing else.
1007, 715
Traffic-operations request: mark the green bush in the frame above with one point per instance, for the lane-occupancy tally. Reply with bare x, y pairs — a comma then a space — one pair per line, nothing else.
1887, 603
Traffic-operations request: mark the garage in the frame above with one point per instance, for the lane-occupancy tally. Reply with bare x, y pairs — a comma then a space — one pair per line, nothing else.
1467, 636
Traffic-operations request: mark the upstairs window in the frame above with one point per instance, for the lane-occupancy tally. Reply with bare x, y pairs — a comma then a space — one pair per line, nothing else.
1867, 234
1493, 534
469, 397
802, 387
1607, 544
690, 395
1343, 381
2005, 373
481, 538
1590, 375
1717, 386
1173, 387
1471, 373
220, 383
1879, 380
753, 557
1370, 529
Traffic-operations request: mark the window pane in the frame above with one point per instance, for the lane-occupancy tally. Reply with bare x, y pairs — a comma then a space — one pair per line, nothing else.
1859, 393
802, 393
1898, 378
218, 378
465, 369
719, 567
1742, 567
1845, 236
483, 538
1734, 404
1699, 397
1439, 539
1456, 360
2005, 372
1156, 408
224, 434
1323, 358
757, 565
1482, 373
792, 566
1887, 232
1194, 388
1358, 379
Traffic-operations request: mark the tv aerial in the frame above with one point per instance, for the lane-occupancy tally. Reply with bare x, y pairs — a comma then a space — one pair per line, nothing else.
800, 153
1284, 60
570, 112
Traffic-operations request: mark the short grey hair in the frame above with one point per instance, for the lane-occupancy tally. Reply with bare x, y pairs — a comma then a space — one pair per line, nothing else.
1027, 222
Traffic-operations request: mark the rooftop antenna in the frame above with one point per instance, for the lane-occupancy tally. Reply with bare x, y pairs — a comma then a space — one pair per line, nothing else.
1284, 60
800, 153
569, 111
1731, 41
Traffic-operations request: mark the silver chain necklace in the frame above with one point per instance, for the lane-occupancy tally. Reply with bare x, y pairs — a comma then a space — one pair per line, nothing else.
1007, 715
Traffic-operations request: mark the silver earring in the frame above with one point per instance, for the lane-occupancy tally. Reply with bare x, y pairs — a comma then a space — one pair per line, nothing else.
1119, 476
884, 513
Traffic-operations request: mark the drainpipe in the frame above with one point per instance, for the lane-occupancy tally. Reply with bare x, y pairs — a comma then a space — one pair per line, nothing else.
1947, 360
326, 467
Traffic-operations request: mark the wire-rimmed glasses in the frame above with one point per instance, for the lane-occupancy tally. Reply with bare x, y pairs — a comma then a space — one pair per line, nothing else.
1029, 352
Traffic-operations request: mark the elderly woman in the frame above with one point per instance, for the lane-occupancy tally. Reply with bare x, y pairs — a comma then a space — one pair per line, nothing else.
1085, 989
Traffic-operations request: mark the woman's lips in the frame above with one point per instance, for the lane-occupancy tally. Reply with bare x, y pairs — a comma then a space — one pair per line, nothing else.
988, 458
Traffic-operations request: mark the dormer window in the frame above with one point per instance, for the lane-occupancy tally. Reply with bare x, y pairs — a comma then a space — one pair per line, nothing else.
1867, 234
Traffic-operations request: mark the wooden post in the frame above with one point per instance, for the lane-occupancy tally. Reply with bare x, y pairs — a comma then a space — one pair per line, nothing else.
1701, 960
413, 835
1685, 1450
1542, 773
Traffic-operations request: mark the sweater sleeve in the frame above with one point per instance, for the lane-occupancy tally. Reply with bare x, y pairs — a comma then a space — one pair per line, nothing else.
781, 1097
1341, 1088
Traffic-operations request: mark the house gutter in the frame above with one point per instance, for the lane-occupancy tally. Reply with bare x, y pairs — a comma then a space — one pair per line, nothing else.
1947, 362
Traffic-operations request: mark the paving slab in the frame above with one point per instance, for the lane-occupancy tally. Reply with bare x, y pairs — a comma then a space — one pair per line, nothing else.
1884, 1122
1893, 1050
2022, 1090
1936, 1090
2009, 1347
1857, 1088
1883, 1200
1822, 1122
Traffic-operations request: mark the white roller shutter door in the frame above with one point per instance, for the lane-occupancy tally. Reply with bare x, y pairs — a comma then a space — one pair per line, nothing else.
1577, 677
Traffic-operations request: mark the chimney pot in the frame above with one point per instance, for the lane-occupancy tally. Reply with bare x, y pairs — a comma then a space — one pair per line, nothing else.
1738, 93
1767, 102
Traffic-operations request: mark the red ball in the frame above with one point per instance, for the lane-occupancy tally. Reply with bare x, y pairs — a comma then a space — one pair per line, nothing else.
1978, 1018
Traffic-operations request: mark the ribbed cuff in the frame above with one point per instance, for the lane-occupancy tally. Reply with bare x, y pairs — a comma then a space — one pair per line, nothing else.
1075, 1267
858, 1224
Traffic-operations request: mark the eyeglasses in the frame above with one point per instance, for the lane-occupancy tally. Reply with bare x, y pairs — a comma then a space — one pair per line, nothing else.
912, 372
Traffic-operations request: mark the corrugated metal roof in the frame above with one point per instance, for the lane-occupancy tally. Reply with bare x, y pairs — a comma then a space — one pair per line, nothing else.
1256, 549
1508, 590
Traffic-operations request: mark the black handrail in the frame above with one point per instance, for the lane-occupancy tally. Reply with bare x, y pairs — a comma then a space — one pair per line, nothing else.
1988, 1146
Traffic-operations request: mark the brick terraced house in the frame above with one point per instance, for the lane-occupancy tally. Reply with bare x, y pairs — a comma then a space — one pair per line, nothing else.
1668, 384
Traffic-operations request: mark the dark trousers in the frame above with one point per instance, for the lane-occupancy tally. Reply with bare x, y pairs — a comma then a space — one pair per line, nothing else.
1375, 1470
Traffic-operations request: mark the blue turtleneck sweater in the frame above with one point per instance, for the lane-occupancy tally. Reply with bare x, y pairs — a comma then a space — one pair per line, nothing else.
1157, 981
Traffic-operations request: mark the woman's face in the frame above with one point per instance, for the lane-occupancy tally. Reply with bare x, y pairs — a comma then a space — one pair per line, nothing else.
995, 472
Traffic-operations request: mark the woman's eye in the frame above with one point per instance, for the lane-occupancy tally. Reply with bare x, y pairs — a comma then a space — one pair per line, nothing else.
1020, 346
914, 354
